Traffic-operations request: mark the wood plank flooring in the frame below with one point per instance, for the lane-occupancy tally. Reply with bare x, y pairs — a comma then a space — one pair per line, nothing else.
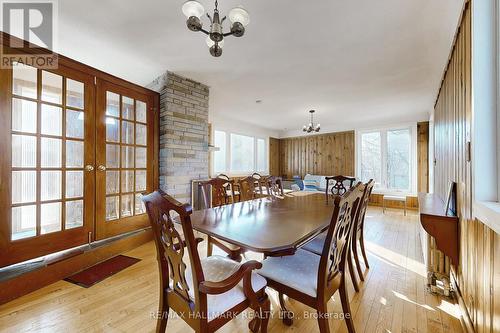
392, 298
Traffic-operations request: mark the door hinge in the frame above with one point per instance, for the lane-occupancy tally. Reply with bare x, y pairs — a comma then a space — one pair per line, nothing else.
95, 80
90, 237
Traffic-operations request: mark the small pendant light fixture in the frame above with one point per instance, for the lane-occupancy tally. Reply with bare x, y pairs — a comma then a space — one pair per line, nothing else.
310, 128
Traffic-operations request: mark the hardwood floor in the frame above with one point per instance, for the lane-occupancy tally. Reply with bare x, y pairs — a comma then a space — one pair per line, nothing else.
392, 298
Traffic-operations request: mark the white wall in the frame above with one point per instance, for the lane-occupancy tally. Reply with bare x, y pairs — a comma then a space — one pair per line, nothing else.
227, 124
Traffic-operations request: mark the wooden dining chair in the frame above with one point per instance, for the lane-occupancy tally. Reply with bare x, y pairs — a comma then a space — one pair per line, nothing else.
231, 187
275, 186
217, 192
247, 188
312, 279
316, 245
260, 184
359, 232
341, 184
211, 291
214, 193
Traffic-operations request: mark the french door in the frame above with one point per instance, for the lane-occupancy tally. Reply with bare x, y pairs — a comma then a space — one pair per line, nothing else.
77, 152
124, 157
47, 141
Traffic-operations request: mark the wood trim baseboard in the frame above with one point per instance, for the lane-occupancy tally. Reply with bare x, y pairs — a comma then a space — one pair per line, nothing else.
53, 272
465, 319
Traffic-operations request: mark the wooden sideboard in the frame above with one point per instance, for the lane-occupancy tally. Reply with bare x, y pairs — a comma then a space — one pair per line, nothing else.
437, 223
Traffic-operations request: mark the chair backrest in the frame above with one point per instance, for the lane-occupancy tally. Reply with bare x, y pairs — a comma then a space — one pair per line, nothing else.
341, 184
339, 235
256, 176
215, 192
170, 246
275, 186
259, 180
247, 188
223, 176
364, 204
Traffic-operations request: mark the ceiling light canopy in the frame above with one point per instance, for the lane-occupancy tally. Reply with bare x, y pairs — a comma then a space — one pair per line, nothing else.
238, 16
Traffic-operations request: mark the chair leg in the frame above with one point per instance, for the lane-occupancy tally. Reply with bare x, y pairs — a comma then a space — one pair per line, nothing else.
210, 246
324, 327
345, 306
351, 271
286, 314
163, 310
362, 244
356, 259
265, 315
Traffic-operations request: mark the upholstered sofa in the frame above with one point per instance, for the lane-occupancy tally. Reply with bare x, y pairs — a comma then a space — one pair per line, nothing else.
311, 183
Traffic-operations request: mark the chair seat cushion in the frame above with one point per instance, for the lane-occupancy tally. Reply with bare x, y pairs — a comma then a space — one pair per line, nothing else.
299, 271
216, 269
316, 245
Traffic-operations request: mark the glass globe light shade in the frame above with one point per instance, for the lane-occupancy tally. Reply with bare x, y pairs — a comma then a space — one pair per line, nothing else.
192, 8
211, 43
240, 15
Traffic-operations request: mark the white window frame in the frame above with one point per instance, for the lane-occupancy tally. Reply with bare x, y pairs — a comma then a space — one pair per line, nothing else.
413, 156
228, 170
486, 204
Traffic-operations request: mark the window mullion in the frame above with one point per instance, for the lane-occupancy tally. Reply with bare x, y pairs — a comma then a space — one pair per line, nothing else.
383, 142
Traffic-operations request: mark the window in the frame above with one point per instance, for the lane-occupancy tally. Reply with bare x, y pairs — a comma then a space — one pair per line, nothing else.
239, 154
220, 156
387, 156
242, 153
261, 155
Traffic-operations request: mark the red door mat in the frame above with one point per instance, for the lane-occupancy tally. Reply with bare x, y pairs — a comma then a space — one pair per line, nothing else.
101, 271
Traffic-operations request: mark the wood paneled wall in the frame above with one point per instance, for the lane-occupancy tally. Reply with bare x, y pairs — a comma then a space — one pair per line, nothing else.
274, 157
324, 154
478, 274
423, 157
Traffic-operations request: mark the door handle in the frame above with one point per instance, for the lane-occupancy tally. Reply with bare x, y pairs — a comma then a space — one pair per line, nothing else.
89, 168
101, 168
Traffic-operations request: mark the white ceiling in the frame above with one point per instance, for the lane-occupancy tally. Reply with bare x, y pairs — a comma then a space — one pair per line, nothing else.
358, 63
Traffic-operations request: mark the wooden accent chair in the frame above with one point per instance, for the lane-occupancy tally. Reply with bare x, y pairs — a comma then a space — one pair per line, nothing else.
210, 292
218, 188
316, 245
247, 188
341, 184
312, 279
231, 187
275, 186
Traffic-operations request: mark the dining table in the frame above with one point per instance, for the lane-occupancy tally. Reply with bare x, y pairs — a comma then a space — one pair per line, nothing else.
274, 226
